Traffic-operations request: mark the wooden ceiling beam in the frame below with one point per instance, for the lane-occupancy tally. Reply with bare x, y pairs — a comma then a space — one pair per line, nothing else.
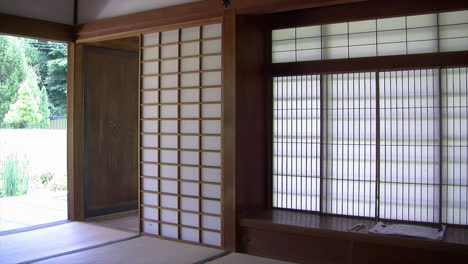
196, 11
34, 28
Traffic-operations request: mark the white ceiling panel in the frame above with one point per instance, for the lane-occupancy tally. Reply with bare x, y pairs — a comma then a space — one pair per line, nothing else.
60, 11
92, 10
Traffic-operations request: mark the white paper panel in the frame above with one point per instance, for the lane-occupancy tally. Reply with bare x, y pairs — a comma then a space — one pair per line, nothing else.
211, 222
149, 111
189, 188
211, 159
280, 57
189, 126
189, 142
305, 32
189, 204
169, 96
190, 80
189, 158
168, 171
169, 216
150, 185
169, 231
190, 49
150, 199
211, 142
211, 238
211, 127
149, 170
212, 31
150, 39
149, 97
149, 155
150, 228
211, 175
211, 78
169, 201
211, 95
189, 95
150, 82
168, 126
170, 36
211, 207
169, 81
211, 191
168, 141
150, 213
211, 62
391, 23
391, 49
454, 44
169, 66
192, 33
149, 126
151, 53
456, 17
288, 33
149, 141
170, 51
211, 46
211, 110
189, 173
169, 186
169, 111
150, 68
190, 64
168, 156
189, 111
190, 219
190, 234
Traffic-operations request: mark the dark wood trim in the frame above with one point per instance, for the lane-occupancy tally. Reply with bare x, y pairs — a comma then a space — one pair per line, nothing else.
372, 64
70, 132
34, 28
75, 12
361, 11
229, 215
188, 13
249, 7
75, 132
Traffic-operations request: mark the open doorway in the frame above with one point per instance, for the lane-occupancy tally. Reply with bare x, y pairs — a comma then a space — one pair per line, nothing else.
33, 132
110, 88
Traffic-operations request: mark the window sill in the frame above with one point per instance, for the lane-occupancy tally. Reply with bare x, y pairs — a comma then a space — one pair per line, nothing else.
307, 224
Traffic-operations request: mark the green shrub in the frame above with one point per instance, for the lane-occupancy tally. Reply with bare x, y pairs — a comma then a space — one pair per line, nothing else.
46, 178
15, 177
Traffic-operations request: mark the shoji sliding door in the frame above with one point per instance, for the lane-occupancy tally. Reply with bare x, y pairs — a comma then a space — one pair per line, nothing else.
180, 128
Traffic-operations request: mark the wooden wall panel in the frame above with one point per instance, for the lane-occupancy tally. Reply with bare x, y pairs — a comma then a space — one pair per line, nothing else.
252, 93
110, 130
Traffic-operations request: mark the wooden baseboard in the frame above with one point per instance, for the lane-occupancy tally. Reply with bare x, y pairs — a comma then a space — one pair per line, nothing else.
112, 216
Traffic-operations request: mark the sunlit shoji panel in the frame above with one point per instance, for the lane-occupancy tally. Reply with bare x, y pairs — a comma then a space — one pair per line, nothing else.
296, 143
428, 33
350, 180
454, 87
181, 134
409, 145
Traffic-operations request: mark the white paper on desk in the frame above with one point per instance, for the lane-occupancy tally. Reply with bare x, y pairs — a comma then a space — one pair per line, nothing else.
408, 231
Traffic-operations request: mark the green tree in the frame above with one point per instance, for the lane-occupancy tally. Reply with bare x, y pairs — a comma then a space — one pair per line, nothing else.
12, 71
25, 111
44, 109
56, 83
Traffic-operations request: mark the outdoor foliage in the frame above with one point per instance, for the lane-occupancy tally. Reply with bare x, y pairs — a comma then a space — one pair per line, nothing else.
15, 177
12, 72
42, 67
